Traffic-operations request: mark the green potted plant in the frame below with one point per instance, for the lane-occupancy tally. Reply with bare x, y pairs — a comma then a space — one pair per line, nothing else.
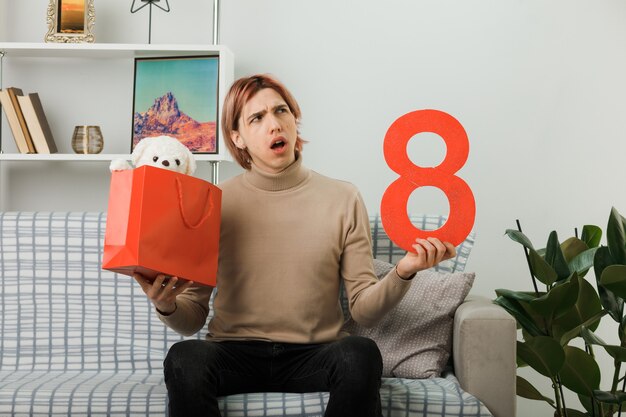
568, 306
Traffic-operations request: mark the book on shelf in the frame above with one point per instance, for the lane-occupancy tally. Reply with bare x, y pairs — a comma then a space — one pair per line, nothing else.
11, 110
14, 93
37, 123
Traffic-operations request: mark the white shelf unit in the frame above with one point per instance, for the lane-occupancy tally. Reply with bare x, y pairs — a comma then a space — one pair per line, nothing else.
103, 51
106, 157
58, 72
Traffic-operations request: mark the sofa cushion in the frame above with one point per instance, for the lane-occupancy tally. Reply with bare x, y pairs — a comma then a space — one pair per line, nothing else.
123, 393
385, 250
77, 340
61, 311
415, 338
143, 394
436, 397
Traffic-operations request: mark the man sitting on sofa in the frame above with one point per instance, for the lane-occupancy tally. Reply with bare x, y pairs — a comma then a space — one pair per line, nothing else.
289, 236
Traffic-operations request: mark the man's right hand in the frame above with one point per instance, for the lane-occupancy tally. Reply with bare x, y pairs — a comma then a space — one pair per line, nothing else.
163, 293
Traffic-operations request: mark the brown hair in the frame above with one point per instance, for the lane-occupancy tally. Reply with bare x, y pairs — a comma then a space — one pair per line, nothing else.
240, 92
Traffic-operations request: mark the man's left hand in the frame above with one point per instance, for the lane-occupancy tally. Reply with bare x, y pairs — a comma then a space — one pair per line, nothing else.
428, 253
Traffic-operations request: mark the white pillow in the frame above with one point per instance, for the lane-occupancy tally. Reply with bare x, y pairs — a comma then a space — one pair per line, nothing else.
415, 338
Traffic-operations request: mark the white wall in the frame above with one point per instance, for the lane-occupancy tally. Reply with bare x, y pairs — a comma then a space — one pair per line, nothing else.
540, 87
3, 20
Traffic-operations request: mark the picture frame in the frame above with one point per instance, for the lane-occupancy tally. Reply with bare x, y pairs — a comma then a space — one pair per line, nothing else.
70, 21
177, 96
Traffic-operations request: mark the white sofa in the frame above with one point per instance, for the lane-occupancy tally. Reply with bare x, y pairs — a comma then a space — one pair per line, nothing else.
76, 340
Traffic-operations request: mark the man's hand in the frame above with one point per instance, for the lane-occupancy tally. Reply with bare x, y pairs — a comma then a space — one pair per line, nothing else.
162, 294
428, 253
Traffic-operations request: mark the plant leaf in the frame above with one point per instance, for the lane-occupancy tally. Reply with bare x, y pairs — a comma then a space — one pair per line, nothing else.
616, 236
592, 321
519, 237
555, 258
583, 261
572, 247
575, 413
587, 402
541, 269
527, 390
616, 352
622, 331
605, 397
580, 372
591, 235
559, 300
609, 398
543, 354
613, 278
613, 304
514, 308
521, 300
515, 295
587, 310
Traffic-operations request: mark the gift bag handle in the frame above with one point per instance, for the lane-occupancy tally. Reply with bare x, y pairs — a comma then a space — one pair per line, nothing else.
179, 187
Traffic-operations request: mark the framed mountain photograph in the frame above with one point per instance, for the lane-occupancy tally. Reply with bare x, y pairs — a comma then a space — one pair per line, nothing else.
177, 96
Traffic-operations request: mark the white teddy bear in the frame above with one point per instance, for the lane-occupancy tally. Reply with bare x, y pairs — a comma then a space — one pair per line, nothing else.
160, 151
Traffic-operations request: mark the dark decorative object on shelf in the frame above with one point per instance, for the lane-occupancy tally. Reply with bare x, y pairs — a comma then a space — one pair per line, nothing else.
87, 139
150, 3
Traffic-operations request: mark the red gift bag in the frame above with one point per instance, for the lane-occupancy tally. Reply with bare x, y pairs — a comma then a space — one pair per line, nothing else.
160, 221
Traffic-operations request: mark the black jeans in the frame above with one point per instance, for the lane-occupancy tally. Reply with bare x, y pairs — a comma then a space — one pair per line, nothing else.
197, 372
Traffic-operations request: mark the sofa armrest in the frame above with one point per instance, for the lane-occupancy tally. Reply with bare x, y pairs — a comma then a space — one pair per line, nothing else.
484, 349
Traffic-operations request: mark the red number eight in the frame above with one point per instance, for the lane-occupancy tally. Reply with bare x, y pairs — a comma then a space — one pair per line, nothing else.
394, 214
